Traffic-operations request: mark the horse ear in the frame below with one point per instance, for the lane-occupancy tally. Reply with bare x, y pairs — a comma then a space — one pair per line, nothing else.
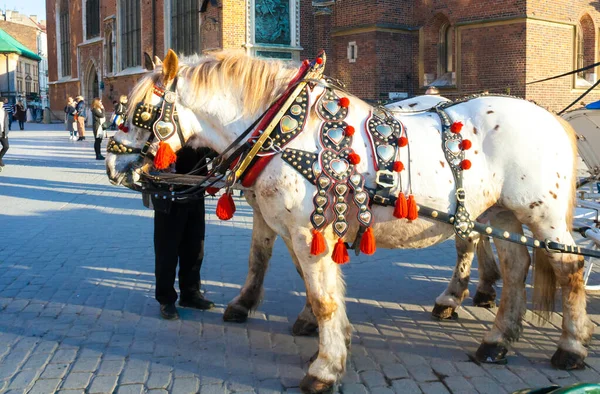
157, 61
148, 63
170, 66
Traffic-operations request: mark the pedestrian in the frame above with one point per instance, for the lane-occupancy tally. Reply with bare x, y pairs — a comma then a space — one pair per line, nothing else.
80, 117
97, 126
179, 238
120, 111
20, 114
3, 133
70, 118
432, 91
9, 109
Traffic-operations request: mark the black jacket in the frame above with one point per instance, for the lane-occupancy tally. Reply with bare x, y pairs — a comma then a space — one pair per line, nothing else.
98, 115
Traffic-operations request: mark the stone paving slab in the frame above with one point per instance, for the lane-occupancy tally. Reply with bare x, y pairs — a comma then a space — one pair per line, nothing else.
78, 314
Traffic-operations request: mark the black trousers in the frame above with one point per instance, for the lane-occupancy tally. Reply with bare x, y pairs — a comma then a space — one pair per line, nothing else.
178, 237
21, 124
97, 145
4, 142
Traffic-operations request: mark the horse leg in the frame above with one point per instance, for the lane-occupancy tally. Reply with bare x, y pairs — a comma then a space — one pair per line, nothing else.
565, 270
514, 264
261, 249
488, 274
457, 290
325, 290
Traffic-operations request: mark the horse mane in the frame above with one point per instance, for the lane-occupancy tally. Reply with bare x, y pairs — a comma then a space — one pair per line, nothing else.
258, 82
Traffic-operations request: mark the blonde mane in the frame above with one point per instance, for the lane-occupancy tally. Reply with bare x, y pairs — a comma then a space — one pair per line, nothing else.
256, 81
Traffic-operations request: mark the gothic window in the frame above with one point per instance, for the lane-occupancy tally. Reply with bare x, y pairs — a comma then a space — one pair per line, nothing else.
585, 50
131, 53
65, 35
445, 46
275, 28
185, 26
92, 18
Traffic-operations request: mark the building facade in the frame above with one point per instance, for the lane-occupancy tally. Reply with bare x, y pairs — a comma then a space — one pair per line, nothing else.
32, 34
381, 49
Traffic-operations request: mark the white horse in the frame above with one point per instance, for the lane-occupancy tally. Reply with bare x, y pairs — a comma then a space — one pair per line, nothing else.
523, 171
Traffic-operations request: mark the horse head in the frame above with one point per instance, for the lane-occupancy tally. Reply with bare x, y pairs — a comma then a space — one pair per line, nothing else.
213, 98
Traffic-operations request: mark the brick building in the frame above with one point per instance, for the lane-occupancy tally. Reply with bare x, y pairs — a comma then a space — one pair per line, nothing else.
379, 48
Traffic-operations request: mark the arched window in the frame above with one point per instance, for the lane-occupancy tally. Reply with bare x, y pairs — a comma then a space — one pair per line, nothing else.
185, 26
585, 48
131, 52
65, 35
92, 18
446, 48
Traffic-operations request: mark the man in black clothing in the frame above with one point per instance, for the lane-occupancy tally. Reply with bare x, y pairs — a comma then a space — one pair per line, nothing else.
179, 237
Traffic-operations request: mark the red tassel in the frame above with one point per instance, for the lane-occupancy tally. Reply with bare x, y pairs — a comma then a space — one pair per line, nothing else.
401, 208
398, 166
349, 131
225, 207
344, 102
412, 208
367, 243
466, 144
402, 142
353, 158
317, 245
465, 164
123, 128
456, 127
212, 190
340, 254
164, 156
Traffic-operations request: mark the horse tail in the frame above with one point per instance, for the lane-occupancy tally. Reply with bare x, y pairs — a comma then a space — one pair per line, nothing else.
544, 278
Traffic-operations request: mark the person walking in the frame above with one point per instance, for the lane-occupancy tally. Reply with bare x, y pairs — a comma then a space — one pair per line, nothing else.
179, 238
3, 134
21, 114
120, 111
80, 117
9, 109
70, 118
97, 126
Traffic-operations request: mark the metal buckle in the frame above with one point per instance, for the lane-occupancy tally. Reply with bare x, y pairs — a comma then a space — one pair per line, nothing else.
460, 194
377, 199
548, 248
382, 183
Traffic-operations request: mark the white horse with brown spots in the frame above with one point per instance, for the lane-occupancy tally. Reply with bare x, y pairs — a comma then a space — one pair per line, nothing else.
523, 172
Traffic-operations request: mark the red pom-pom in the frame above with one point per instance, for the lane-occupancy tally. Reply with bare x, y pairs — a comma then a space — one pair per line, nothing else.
402, 142
466, 144
401, 207
456, 127
344, 102
413, 213
212, 190
367, 242
398, 166
317, 246
465, 164
349, 131
164, 156
319, 60
225, 207
340, 253
123, 128
353, 158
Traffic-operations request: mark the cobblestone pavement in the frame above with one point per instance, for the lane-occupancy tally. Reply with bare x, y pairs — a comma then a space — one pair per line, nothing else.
77, 312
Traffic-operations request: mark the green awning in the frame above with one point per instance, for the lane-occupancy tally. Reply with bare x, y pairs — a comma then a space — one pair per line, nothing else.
8, 44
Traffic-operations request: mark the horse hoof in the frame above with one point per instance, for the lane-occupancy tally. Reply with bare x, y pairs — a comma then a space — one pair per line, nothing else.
491, 353
303, 328
484, 300
313, 385
565, 360
235, 314
443, 312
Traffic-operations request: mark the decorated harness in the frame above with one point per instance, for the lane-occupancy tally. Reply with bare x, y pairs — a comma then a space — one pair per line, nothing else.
331, 169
